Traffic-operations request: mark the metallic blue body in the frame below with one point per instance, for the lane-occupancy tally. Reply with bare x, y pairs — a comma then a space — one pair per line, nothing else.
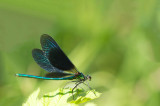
46, 78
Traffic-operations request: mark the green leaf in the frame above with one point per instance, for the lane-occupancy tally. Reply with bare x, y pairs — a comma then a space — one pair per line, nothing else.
61, 97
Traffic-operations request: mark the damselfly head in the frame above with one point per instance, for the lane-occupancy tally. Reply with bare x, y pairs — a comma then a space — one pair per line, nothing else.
89, 77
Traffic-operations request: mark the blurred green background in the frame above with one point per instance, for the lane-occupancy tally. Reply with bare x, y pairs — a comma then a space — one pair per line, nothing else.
117, 42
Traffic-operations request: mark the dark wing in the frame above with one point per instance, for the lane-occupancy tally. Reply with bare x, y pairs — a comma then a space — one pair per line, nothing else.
42, 61
55, 55
58, 75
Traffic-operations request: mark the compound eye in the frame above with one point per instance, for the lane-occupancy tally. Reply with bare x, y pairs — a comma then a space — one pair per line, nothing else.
89, 77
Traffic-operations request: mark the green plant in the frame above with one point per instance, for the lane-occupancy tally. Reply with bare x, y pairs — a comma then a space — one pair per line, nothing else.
61, 97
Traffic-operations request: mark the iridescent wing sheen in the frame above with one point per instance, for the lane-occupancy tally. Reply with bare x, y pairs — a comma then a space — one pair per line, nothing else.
55, 55
42, 61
